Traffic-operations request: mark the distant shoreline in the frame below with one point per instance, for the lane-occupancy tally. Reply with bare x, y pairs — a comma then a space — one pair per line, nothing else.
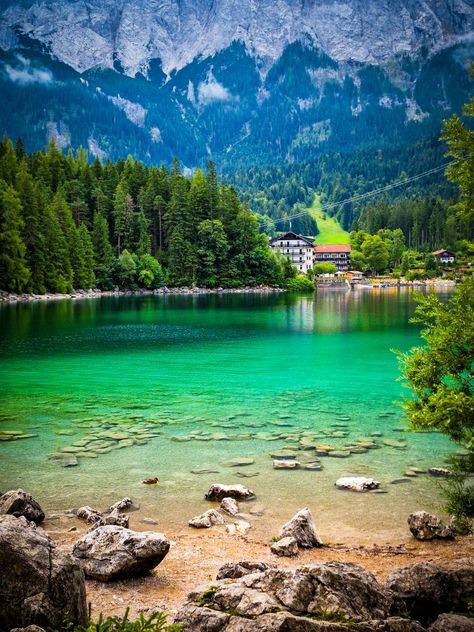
6, 297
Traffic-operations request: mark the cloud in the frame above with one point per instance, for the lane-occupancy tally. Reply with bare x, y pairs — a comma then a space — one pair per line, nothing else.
25, 74
212, 91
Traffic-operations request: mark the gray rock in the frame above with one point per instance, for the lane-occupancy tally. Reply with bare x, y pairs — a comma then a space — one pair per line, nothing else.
241, 527
439, 471
217, 491
286, 547
301, 528
426, 526
230, 506
110, 552
89, 515
206, 519
94, 517
234, 570
126, 504
119, 519
29, 628
290, 600
18, 503
357, 483
43, 585
452, 623
426, 590
285, 464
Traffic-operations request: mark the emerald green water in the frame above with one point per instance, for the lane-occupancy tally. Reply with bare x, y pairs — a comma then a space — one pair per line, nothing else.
189, 382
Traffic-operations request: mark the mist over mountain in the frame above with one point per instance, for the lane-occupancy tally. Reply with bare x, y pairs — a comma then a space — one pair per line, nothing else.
246, 82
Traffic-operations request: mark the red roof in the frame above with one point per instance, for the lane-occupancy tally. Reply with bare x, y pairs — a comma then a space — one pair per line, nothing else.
333, 248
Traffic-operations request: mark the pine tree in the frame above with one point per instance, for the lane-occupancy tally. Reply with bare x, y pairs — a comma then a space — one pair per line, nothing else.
103, 252
14, 273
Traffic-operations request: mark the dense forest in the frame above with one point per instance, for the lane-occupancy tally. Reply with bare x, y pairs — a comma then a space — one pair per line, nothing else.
281, 190
66, 223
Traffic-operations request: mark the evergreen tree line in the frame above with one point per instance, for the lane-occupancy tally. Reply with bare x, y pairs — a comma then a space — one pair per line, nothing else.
276, 191
67, 224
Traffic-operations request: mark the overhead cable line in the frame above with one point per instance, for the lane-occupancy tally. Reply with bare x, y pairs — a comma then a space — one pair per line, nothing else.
362, 196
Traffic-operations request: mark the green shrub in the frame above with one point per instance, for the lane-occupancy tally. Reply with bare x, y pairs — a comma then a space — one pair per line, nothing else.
300, 284
156, 622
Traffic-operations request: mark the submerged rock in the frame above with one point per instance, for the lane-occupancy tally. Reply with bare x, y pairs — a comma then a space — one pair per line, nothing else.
287, 547
426, 526
206, 519
239, 462
217, 491
18, 503
43, 585
110, 552
357, 483
301, 528
285, 464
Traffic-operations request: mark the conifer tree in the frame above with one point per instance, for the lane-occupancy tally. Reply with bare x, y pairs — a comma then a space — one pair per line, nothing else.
14, 273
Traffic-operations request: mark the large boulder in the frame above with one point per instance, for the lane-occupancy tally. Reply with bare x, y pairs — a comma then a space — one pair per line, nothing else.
18, 503
303, 599
39, 584
452, 623
110, 552
217, 491
426, 590
301, 528
426, 526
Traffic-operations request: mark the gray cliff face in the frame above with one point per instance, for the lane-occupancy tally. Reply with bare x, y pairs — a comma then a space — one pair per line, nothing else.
89, 33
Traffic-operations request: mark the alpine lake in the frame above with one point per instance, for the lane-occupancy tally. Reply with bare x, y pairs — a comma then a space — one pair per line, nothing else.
99, 394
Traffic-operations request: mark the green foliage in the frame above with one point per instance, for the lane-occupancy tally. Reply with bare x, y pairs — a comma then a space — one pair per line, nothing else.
156, 622
440, 376
207, 596
301, 283
65, 223
460, 140
14, 274
325, 268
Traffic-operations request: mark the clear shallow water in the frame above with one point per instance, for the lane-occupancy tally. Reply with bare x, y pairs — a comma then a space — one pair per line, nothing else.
163, 386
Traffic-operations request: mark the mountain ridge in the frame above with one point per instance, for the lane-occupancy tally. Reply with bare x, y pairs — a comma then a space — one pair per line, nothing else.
133, 33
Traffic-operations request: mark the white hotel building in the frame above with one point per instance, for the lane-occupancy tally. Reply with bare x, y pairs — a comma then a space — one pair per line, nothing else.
298, 249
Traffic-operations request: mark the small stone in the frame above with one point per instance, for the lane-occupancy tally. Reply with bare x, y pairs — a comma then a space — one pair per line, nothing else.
230, 506
357, 483
339, 454
218, 491
286, 547
70, 461
285, 464
439, 471
399, 481
148, 521
206, 520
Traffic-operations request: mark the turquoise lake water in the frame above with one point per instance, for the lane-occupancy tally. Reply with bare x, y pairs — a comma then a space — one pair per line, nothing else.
176, 386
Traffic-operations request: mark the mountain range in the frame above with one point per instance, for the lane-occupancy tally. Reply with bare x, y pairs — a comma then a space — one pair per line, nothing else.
245, 82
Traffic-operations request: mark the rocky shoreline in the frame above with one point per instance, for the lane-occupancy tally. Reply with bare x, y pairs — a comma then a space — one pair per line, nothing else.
6, 297
254, 588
